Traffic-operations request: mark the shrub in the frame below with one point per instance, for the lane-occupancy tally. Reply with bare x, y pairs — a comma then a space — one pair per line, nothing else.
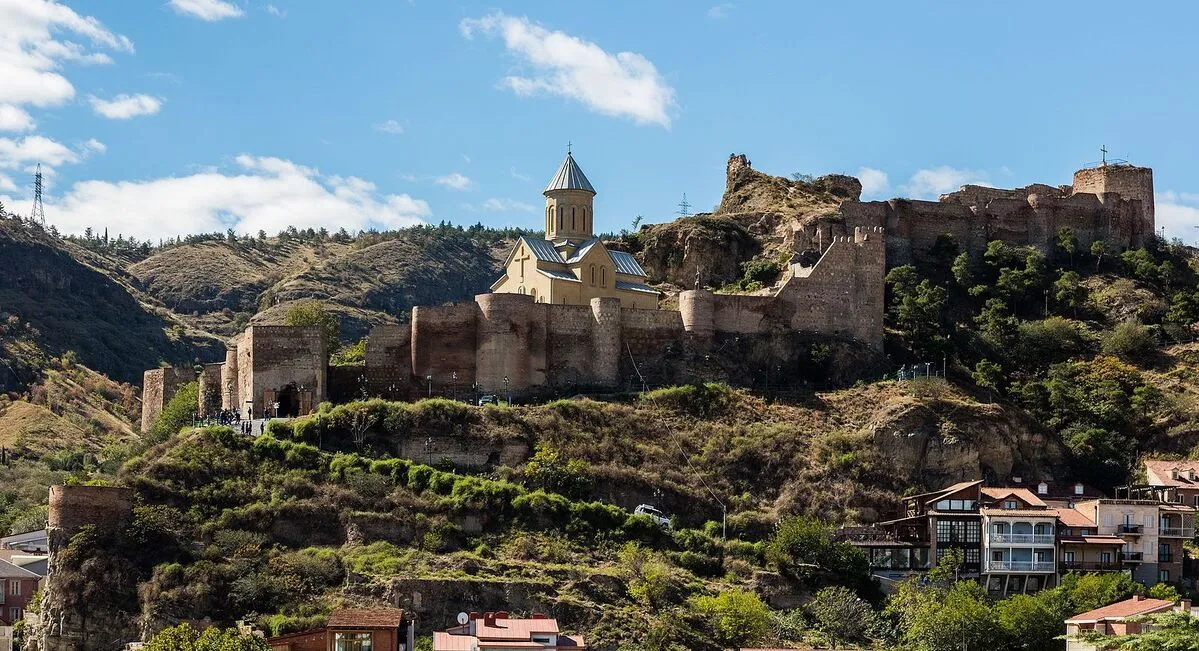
737, 617
1130, 341
177, 413
542, 509
280, 429
699, 400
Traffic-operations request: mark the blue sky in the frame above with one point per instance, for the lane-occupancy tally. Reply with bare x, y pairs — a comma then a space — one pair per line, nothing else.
158, 118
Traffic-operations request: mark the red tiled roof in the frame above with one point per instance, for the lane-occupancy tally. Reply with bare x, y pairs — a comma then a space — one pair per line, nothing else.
446, 642
1074, 518
1122, 609
514, 629
1158, 472
1022, 494
366, 618
1024, 513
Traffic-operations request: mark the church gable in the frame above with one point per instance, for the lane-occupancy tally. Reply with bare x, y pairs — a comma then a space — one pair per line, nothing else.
593, 266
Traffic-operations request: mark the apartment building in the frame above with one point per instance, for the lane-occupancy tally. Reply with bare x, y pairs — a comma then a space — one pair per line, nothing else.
1020, 546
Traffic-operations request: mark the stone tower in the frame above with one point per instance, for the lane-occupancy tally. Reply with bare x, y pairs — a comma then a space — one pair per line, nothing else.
1129, 181
568, 204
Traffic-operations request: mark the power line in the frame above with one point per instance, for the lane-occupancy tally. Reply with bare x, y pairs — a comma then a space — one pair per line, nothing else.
684, 207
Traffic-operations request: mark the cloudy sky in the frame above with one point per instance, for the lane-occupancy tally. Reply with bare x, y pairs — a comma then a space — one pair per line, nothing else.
161, 117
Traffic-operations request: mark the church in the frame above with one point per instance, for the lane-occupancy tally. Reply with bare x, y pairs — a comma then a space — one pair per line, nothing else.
572, 266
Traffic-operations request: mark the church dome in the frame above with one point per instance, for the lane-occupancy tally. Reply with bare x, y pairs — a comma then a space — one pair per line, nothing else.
569, 177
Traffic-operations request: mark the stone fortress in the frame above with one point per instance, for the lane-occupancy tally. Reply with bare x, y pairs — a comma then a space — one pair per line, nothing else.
552, 326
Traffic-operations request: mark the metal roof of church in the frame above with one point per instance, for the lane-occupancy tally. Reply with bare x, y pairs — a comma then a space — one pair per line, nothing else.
569, 177
627, 264
542, 249
584, 247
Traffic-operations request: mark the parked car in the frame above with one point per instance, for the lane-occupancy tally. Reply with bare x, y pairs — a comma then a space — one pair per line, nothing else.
654, 514
489, 399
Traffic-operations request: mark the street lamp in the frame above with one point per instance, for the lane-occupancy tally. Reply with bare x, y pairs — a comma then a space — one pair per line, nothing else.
362, 385
508, 390
429, 378
454, 386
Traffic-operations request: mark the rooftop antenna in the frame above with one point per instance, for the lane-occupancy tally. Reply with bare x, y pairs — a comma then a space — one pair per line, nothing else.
39, 211
684, 207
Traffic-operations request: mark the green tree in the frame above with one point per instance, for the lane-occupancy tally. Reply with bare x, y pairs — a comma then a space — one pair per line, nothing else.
177, 413
547, 470
737, 617
1034, 622
1068, 291
1098, 251
649, 577
314, 313
185, 638
963, 274
1091, 591
1163, 591
1131, 341
803, 546
841, 615
1068, 242
919, 309
988, 375
962, 618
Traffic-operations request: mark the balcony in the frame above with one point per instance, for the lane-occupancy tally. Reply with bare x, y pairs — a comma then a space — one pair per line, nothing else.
1021, 566
1046, 539
1129, 529
1091, 566
1131, 557
1177, 532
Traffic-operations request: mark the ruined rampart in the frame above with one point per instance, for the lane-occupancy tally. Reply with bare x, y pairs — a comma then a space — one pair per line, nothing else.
159, 385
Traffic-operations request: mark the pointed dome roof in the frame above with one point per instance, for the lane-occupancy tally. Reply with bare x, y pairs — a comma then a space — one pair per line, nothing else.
569, 177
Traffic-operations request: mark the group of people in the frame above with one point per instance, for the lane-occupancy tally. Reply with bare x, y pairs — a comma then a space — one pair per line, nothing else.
231, 418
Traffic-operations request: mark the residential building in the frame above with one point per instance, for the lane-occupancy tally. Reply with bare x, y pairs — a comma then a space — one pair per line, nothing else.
1183, 476
1114, 619
31, 541
36, 563
6, 633
1081, 548
1135, 521
17, 586
571, 265
498, 631
1020, 545
371, 629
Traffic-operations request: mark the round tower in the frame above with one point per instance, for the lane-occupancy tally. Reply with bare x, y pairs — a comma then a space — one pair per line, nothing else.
108, 508
697, 307
569, 198
502, 341
605, 340
229, 379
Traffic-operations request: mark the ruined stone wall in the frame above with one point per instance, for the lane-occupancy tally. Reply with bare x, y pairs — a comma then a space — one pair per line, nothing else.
274, 358
159, 385
843, 293
208, 398
510, 342
464, 453
443, 341
569, 351
1130, 182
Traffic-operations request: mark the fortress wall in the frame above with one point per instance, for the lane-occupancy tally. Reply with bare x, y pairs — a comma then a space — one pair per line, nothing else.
734, 313
443, 341
388, 368
569, 339
159, 385
843, 292
1131, 182
648, 332
71, 507
605, 341
208, 399
229, 394
278, 356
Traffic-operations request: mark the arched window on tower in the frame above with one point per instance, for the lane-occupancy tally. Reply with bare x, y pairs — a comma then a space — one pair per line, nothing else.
603, 276
585, 226
593, 275
560, 215
572, 219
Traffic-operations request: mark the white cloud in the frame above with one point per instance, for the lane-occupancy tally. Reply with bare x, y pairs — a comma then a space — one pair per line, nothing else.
31, 58
507, 205
466, 158
390, 126
210, 10
15, 154
874, 182
720, 11
454, 181
1172, 212
265, 193
275, 11
123, 107
517, 175
932, 183
14, 118
95, 145
7, 185
625, 84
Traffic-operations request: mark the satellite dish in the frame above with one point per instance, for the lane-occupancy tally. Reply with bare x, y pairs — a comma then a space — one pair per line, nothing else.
463, 618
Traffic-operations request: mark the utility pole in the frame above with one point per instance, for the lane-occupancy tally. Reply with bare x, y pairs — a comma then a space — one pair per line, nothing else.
684, 207
38, 215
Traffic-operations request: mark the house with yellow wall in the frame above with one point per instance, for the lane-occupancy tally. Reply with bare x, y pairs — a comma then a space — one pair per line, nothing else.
571, 266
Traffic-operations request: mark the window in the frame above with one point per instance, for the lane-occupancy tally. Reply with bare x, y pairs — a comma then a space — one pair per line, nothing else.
14, 614
1011, 504
560, 213
603, 276
1078, 489
1163, 576
14, 588
1042, 488
572, 218
352, 642
543, 639
1105, 557
997, 556
1068, 557
972, 556
593, 275
943, 531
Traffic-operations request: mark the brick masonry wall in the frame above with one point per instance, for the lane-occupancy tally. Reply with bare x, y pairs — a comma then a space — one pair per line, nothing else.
443, 341
229, 393
159, 385
569, 351
276, 357
208, 400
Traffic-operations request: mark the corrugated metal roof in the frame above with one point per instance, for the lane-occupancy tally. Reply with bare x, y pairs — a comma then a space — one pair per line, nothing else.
569, 177
542, 249
635, 287
584, 247
627, 264
560, 275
